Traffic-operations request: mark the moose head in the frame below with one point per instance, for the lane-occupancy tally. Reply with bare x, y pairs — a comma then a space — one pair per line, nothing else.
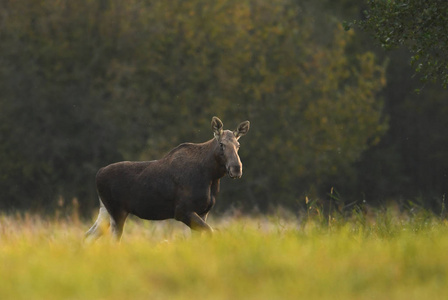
227, 151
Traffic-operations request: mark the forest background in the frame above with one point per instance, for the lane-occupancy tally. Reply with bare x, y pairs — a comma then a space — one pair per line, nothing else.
87, 83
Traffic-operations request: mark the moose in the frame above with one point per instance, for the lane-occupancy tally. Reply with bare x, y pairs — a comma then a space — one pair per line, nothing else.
182, 185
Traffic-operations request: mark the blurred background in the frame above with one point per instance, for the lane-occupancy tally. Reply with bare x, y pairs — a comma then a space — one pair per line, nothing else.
334, 117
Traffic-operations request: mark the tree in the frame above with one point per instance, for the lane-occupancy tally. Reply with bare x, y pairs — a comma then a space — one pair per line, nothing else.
57, 128
419, 25
87, 83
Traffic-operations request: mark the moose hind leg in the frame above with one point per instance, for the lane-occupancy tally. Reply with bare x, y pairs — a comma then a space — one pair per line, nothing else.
100, 226
117, 225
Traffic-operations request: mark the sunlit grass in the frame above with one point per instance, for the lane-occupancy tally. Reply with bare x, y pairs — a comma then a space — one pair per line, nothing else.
385, 256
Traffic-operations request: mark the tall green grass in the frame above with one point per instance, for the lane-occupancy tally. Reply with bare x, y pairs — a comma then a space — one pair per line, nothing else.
387, 255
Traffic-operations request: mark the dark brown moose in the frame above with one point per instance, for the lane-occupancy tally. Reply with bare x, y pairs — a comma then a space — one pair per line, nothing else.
182, 185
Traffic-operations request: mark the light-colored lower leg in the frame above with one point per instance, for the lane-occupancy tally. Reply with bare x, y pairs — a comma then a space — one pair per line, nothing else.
204, 217
100, 226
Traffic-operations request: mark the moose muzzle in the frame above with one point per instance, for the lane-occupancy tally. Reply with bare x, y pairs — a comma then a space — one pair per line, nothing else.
235, 171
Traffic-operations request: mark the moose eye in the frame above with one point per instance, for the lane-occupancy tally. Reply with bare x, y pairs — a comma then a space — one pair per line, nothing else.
222, 146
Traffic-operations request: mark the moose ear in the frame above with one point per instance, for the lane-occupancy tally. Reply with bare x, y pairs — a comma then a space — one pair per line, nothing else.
217, 127
242, 129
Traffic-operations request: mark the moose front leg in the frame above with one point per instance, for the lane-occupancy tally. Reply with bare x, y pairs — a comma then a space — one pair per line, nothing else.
194, 221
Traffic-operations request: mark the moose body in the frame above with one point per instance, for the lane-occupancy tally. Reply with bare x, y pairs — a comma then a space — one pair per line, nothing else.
182, 185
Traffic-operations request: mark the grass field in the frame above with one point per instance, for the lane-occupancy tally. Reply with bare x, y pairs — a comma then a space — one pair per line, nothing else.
385, 256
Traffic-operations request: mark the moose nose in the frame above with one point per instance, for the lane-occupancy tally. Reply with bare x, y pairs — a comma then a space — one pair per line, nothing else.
235, 172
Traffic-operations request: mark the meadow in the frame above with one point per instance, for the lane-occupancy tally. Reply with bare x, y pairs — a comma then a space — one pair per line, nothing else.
384, 255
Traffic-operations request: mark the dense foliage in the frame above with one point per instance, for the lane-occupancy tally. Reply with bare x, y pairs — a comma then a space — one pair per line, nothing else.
86, 83
420, 25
